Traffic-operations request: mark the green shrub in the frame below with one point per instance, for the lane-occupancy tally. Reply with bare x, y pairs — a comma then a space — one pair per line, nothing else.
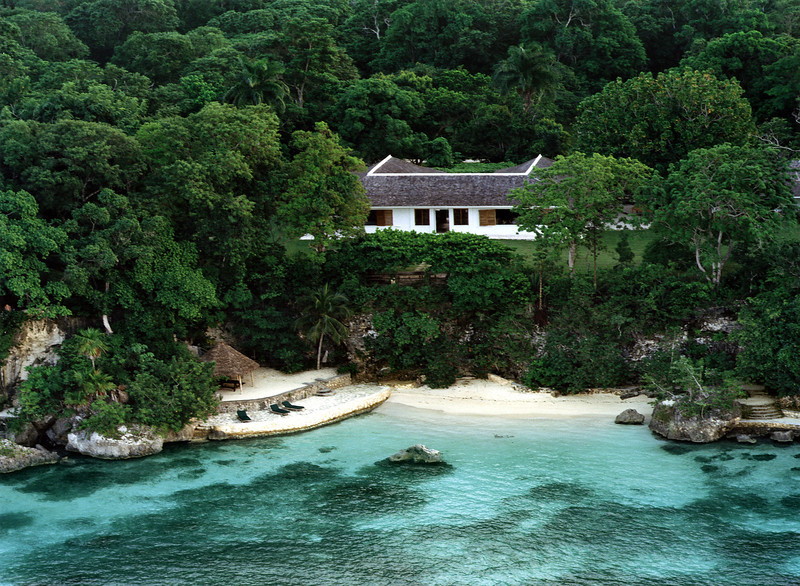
572, 364
167, 394
347, 368
106, 417
770, 336
440, 372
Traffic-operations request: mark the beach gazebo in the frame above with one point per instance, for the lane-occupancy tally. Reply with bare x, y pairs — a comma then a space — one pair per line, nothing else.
230, 363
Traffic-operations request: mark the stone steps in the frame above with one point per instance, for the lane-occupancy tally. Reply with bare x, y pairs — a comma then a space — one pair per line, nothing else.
770, 411
760, 404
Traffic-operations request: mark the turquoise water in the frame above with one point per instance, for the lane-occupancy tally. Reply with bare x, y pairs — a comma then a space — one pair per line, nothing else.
524, 501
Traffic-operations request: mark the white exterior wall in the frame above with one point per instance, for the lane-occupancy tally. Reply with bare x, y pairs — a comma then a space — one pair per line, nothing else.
403, 219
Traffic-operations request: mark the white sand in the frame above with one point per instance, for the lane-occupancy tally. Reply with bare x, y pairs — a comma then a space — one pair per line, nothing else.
268, 383
483, 397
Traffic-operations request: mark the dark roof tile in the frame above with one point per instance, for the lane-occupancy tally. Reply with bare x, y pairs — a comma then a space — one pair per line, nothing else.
397, 183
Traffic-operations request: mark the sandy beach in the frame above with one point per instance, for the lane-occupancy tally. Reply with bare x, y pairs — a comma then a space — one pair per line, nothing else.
485, 397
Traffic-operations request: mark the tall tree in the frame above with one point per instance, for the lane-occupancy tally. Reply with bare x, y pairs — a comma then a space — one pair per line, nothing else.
375, 116
324, 197
213, 174
530, 70
722, 198
104, 24
26, 243
574, 200
658, 120
92, 343
322, 312
259, 82
766, 67
592, 37
308, 49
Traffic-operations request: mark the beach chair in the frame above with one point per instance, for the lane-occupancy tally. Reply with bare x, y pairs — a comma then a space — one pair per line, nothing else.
242, 415
274, 408
291, 407
324, 393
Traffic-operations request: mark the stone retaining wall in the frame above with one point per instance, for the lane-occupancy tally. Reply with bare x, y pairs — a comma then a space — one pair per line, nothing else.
336, 382
296, 422
758, 428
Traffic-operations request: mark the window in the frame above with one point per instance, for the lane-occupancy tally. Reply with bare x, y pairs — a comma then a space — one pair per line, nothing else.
505, 217
461, 217
379, 218
487, 217
422, 217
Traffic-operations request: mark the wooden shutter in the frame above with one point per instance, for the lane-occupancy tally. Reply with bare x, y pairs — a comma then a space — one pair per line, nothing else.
487, 217
384, 217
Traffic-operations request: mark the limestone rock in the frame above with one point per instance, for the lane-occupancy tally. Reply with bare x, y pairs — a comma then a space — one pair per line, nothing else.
743, 438
630, 394
136, 443
217, 434
15, 457
33, 344
59, 432
417, 454
782, 436
667, 421
498, 379
27, 436
630, 417
184, 435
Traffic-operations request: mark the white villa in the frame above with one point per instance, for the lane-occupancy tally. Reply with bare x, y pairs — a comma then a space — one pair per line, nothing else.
405, 196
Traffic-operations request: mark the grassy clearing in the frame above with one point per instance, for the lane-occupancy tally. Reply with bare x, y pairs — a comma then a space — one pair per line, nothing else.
606, 258
638, 240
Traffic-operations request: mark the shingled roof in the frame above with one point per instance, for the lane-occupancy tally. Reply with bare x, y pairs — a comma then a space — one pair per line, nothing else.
397, 183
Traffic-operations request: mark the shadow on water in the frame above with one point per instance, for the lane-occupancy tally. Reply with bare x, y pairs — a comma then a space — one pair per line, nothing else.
10, 521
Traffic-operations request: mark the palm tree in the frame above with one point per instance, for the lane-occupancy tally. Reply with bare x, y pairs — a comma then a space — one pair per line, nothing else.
322, 311
531, 70
259, 82
91, 343
90, 386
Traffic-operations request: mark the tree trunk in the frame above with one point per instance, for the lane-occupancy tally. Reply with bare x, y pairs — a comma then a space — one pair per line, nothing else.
107, 325
541, 271
319, 351
573, 250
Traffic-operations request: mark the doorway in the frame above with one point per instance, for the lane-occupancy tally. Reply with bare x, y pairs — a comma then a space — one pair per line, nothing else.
442, 221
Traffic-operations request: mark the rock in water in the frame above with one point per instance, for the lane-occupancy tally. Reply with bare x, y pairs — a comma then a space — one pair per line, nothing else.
16, 457
743, 438
630, 417
782, 436
667, 421
417, 454
130, 444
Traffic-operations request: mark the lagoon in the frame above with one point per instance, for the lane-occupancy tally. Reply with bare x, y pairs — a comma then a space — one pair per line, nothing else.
524, 501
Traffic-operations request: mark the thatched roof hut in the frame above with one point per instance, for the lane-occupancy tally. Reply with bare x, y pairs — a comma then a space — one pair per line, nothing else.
396, 183
230, 363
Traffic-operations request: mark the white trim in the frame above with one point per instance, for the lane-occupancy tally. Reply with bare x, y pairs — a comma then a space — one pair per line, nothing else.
376, 167
535, 161
441, 207
373, 172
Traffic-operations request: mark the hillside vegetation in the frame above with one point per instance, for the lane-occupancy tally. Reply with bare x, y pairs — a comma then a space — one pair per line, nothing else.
158, 156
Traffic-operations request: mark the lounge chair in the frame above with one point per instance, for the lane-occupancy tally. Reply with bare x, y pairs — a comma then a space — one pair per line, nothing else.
275, 409
291, 407
324, 393
242, 415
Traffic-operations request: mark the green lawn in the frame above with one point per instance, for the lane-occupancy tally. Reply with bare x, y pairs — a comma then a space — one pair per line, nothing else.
606, 258
638, 240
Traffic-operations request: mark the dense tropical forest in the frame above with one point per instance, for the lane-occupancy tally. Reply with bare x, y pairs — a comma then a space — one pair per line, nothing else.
159, 160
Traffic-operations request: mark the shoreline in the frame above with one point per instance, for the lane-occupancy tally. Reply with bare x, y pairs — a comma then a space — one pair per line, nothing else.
486, 397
